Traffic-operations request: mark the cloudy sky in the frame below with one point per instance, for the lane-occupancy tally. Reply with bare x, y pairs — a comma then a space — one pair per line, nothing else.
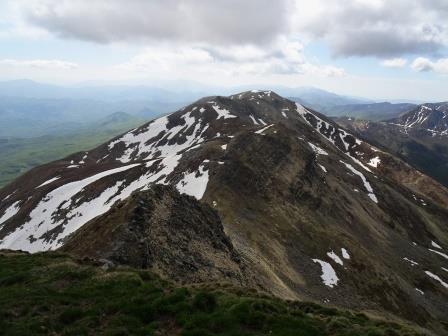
371, 48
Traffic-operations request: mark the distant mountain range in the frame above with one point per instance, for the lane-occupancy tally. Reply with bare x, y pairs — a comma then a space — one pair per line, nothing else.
419, 136
372, 111
29, 109
321, 99
250, 190
35, 115
334, 105
105, 93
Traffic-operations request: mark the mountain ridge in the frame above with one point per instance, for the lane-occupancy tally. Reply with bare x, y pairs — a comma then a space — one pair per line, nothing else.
173, 235
420, 137
317, 213
431, 117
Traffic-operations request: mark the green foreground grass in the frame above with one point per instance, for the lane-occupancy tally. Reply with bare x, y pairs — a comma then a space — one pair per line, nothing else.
51, 293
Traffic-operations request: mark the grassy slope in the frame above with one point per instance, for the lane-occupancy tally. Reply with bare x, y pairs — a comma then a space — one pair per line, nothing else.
51, 293
20, 155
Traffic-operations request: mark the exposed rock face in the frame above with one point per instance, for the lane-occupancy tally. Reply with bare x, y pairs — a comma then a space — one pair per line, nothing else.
314, 211
173, 235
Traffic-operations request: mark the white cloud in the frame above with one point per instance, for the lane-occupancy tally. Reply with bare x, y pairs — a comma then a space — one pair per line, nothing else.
422, 64
104, 21
394, 63
14, 25
230, 42
39, 63
380, 28
325, 70
285, 58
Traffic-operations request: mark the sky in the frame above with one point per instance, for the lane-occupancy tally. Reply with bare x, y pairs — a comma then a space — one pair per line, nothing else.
379, 49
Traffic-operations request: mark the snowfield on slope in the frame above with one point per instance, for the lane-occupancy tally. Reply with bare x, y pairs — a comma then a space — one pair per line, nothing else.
263, 129
43, 218
49, 181
10, 212
439, 253
329, 277
367, 185
340, 133
335, 257
317, 149
195, 183
65, 209
437, 278
374, 162
138, 144
345, 253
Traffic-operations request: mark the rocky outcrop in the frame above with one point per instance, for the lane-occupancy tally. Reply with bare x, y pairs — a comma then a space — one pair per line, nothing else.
174, 235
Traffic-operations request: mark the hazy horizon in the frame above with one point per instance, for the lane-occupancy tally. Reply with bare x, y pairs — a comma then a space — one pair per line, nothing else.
198, 87
363, 48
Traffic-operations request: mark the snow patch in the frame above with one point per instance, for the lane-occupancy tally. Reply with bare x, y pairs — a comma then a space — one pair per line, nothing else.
317, 150
253, 120
195, 183
7, 197
335, 257
420, 291
143, 143
345, 254
223, 113
374, 162
436, 277
262, 121
328, 276
49, 181
323, 168
367, 185
439, 253
434, 244
336, 131
43, 218
263, 129
10, 212
412, 262
193, 147
83, 159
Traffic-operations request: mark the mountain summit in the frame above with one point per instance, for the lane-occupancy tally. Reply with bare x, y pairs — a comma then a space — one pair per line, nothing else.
431, 119
311, 211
